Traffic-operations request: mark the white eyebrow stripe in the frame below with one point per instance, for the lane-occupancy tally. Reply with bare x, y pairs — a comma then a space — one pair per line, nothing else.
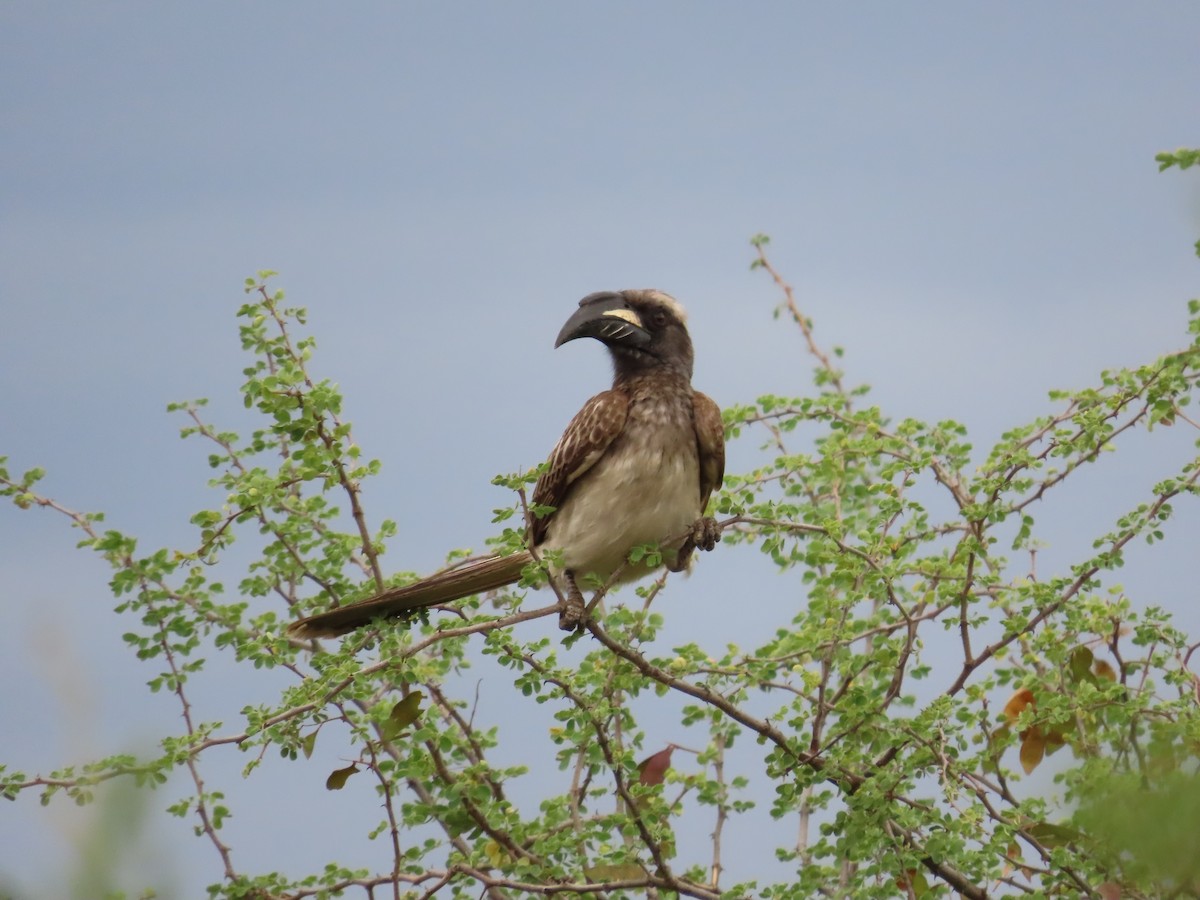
627, 314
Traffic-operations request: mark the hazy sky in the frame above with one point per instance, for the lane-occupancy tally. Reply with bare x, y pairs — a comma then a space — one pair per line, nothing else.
964, 195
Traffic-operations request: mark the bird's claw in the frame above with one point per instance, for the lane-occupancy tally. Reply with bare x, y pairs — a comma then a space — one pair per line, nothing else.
570, 613
706, 532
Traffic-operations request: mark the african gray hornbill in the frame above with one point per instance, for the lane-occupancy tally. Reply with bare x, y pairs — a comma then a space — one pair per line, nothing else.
636, 465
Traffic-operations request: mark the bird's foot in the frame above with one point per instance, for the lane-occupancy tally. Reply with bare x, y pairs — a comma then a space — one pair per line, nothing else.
706, 532
570, 614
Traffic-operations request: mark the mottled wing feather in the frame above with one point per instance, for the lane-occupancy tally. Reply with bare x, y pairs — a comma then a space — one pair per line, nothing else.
710, 441
582, 444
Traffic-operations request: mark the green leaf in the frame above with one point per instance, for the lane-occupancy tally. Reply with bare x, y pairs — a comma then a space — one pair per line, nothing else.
337, 778
1081, 665
1183, 158
402, 715
1050, 835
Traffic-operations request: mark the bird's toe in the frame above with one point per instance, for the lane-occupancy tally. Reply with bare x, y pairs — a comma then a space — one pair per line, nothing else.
706, 532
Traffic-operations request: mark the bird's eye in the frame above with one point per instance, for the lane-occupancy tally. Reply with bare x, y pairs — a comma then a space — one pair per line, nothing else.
659, 319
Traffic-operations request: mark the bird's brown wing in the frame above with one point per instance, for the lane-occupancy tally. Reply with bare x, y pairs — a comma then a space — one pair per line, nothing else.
581, 445
710, 441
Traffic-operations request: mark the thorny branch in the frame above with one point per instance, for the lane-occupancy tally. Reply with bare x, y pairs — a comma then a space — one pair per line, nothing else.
458, 757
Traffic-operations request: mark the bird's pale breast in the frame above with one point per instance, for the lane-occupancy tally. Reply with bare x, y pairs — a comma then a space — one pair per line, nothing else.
643, 490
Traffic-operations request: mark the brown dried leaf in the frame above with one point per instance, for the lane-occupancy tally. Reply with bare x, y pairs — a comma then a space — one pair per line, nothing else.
1018, 703
1033, 748
1015, 859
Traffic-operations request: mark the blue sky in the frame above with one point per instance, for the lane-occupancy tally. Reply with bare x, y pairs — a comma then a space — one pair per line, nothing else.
964, 196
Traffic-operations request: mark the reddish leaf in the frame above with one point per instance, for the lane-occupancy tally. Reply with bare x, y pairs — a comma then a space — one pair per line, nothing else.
653, 769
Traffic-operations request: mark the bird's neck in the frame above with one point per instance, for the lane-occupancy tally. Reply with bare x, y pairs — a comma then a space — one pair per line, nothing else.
630, 369
652, 380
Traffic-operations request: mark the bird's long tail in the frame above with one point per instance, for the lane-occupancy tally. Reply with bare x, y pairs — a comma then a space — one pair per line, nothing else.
485, 575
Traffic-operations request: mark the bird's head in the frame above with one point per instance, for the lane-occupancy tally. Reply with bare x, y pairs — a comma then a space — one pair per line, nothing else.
643, 330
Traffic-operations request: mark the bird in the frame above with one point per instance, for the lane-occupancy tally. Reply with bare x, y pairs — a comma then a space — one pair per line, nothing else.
636, 465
